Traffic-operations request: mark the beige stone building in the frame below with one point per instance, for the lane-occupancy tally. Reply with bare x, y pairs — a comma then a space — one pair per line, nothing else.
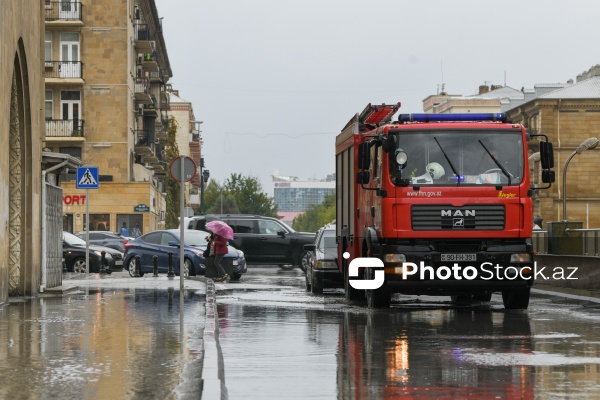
106, 68
487, 100
568, 113
188, 142
21, 132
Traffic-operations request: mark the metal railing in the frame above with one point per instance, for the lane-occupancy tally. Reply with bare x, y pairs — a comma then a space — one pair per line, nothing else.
144, 138
63, 10
63, 69
590, 239
142, 85
64, 128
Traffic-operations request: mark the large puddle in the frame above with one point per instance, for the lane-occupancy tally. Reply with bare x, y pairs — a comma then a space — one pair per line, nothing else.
109, 344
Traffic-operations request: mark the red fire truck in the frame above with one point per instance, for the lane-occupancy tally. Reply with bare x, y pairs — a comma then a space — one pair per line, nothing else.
442, 200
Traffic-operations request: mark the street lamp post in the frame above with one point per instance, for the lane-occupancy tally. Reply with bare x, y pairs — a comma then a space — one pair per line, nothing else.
587, 144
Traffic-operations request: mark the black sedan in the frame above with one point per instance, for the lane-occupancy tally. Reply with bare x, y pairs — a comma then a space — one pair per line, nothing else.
162, 242
322, 268
74, 255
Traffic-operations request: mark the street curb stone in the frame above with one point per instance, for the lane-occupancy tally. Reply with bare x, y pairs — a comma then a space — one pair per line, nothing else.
213, 369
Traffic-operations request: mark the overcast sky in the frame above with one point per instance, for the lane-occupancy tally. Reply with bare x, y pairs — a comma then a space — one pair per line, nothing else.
275, 80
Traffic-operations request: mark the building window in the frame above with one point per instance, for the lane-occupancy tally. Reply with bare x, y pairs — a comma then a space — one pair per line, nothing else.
98, 222
48, 49
48, 112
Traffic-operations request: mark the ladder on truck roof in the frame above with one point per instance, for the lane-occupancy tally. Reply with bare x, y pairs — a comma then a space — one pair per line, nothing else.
373, 116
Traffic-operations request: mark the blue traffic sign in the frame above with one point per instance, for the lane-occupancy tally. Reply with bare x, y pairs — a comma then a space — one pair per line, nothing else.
87, 178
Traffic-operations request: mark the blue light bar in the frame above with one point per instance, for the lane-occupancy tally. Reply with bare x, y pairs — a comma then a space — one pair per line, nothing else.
495, 117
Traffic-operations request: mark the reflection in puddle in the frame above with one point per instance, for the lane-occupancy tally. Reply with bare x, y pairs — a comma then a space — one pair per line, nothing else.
108, 344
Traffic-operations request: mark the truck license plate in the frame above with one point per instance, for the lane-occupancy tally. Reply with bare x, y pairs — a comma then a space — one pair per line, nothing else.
459, 257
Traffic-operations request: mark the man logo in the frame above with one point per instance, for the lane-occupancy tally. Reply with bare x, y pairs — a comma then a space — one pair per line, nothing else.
458, 213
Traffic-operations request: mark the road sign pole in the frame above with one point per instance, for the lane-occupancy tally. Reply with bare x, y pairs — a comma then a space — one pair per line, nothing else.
181, 224
87, 232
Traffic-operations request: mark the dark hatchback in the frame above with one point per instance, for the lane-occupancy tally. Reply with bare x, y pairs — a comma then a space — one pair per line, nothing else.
74, 255
264, 240
322, 270
163, 242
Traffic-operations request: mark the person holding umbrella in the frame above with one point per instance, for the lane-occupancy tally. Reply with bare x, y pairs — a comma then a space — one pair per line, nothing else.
222, 232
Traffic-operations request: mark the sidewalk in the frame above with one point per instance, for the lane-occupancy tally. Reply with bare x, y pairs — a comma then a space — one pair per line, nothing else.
213, 375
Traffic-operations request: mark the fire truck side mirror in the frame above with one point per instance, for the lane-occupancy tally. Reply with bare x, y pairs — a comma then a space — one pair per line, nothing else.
548, 176
364, 156
389, 144
546, 155
363, 177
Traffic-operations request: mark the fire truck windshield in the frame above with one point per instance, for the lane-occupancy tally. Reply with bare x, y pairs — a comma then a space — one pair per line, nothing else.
469, 157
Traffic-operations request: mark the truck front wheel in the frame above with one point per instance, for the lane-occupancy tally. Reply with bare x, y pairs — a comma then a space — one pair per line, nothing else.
516, 299
351, 293
379, 298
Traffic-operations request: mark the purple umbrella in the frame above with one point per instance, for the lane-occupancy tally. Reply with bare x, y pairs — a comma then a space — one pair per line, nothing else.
220, 228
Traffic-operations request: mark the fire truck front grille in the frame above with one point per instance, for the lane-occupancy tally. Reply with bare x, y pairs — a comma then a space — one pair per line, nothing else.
476, 217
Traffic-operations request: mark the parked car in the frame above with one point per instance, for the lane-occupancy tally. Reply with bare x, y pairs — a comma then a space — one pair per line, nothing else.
107, 239
74, 255
264, 240
322, 268
163, 242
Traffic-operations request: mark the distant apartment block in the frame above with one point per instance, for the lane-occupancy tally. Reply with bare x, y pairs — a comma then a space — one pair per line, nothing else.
292, 194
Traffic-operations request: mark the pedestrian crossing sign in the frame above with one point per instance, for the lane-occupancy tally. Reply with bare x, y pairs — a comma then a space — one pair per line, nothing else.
87, 178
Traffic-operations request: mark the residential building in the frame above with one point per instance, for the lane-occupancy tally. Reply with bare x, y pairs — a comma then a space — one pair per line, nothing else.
294, 194
106, 70
487, 100
568, 113
188, 142
21, 127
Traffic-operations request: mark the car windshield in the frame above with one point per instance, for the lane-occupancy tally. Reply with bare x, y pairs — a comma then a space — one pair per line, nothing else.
195, 238
456, 157
73, 240
327, 240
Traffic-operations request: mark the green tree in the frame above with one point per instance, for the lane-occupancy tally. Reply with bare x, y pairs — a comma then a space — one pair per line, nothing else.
240, 195
316, 216
172, 187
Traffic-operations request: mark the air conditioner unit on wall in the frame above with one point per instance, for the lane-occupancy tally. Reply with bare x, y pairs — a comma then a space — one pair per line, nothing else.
141, 111
153, 45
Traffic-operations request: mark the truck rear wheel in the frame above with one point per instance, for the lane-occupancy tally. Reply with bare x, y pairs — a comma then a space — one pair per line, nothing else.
516, 299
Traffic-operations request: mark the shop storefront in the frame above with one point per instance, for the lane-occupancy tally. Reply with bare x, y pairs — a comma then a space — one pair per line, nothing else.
133, 208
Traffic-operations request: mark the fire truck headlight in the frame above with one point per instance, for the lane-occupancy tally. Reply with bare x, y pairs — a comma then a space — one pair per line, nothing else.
520, 258
394, 258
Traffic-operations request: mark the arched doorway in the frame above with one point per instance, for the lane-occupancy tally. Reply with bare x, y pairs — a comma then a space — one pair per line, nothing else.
20, 193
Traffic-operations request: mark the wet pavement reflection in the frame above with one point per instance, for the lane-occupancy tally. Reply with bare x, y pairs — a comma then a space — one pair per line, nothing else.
282, 340
108, 344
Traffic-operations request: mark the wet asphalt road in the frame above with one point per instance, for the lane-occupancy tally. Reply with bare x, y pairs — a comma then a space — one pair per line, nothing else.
278, 341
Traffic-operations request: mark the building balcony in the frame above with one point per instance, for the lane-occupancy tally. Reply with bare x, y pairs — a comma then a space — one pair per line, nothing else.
144, 142
63, 13
64, 128
148, 61
70, 72
142, 91
142, 38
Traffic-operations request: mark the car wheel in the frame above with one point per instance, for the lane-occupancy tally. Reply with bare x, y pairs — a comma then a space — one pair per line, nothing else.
307, 280
316, 284
235, 277
303, 261
188, 267
131, 267
79, 265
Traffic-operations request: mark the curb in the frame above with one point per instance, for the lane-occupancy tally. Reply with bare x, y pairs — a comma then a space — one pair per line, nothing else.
213, 369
